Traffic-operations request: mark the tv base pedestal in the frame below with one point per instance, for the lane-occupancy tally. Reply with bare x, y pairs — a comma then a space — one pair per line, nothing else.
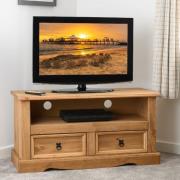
83, 89
44, 141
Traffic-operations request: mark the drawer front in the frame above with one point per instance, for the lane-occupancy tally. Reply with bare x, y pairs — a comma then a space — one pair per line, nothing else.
121, 142
59, 145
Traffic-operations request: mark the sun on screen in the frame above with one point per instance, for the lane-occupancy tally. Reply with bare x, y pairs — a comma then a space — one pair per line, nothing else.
83, 36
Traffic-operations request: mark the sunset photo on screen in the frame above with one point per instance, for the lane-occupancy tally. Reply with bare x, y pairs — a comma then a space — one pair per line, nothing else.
83, 49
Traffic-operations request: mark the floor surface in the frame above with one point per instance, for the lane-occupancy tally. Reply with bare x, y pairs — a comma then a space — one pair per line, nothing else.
169, 169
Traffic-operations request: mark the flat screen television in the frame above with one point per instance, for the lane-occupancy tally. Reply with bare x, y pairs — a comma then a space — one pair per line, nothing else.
82, 50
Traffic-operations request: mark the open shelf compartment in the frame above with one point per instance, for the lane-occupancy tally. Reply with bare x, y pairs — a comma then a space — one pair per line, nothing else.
130, 113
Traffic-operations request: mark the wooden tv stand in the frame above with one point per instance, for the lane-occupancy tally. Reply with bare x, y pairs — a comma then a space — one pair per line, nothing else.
43, 141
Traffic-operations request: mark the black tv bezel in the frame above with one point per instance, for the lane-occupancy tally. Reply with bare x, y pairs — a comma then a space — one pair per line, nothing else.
81, 79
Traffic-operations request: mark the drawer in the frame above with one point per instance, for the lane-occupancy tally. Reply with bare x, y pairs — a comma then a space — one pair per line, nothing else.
121, 142
58, 145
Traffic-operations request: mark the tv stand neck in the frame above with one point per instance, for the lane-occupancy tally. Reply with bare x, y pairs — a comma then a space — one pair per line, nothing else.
83, 89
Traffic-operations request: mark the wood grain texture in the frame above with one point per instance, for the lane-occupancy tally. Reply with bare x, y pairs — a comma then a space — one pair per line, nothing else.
91, 143
22, 128
120, 106
133, 105
118, 93
44, 146
16, 126
108, 142
25, 126
85, 162
84, 144
56, 125
152, 124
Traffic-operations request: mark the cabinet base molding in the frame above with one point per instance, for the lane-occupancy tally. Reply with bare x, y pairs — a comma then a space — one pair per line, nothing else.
85, 162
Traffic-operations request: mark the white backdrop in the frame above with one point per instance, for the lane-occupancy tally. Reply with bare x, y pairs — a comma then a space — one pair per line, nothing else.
16, 55
143, 12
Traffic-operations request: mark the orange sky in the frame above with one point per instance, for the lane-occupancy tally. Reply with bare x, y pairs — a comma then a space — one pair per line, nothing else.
90, 31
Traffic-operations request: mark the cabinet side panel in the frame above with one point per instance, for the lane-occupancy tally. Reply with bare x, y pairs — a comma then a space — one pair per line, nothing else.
24, 129
152, 124
16, 126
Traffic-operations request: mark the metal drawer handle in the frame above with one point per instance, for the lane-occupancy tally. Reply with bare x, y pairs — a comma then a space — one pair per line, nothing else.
58, 146
120, 142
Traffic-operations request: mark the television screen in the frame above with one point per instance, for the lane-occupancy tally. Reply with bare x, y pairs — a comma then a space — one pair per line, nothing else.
82, 50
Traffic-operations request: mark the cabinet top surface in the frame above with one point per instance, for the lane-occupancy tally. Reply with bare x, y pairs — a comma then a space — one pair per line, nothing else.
117, 93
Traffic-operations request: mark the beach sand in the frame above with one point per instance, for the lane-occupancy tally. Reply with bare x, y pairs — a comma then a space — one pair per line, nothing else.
114, 60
